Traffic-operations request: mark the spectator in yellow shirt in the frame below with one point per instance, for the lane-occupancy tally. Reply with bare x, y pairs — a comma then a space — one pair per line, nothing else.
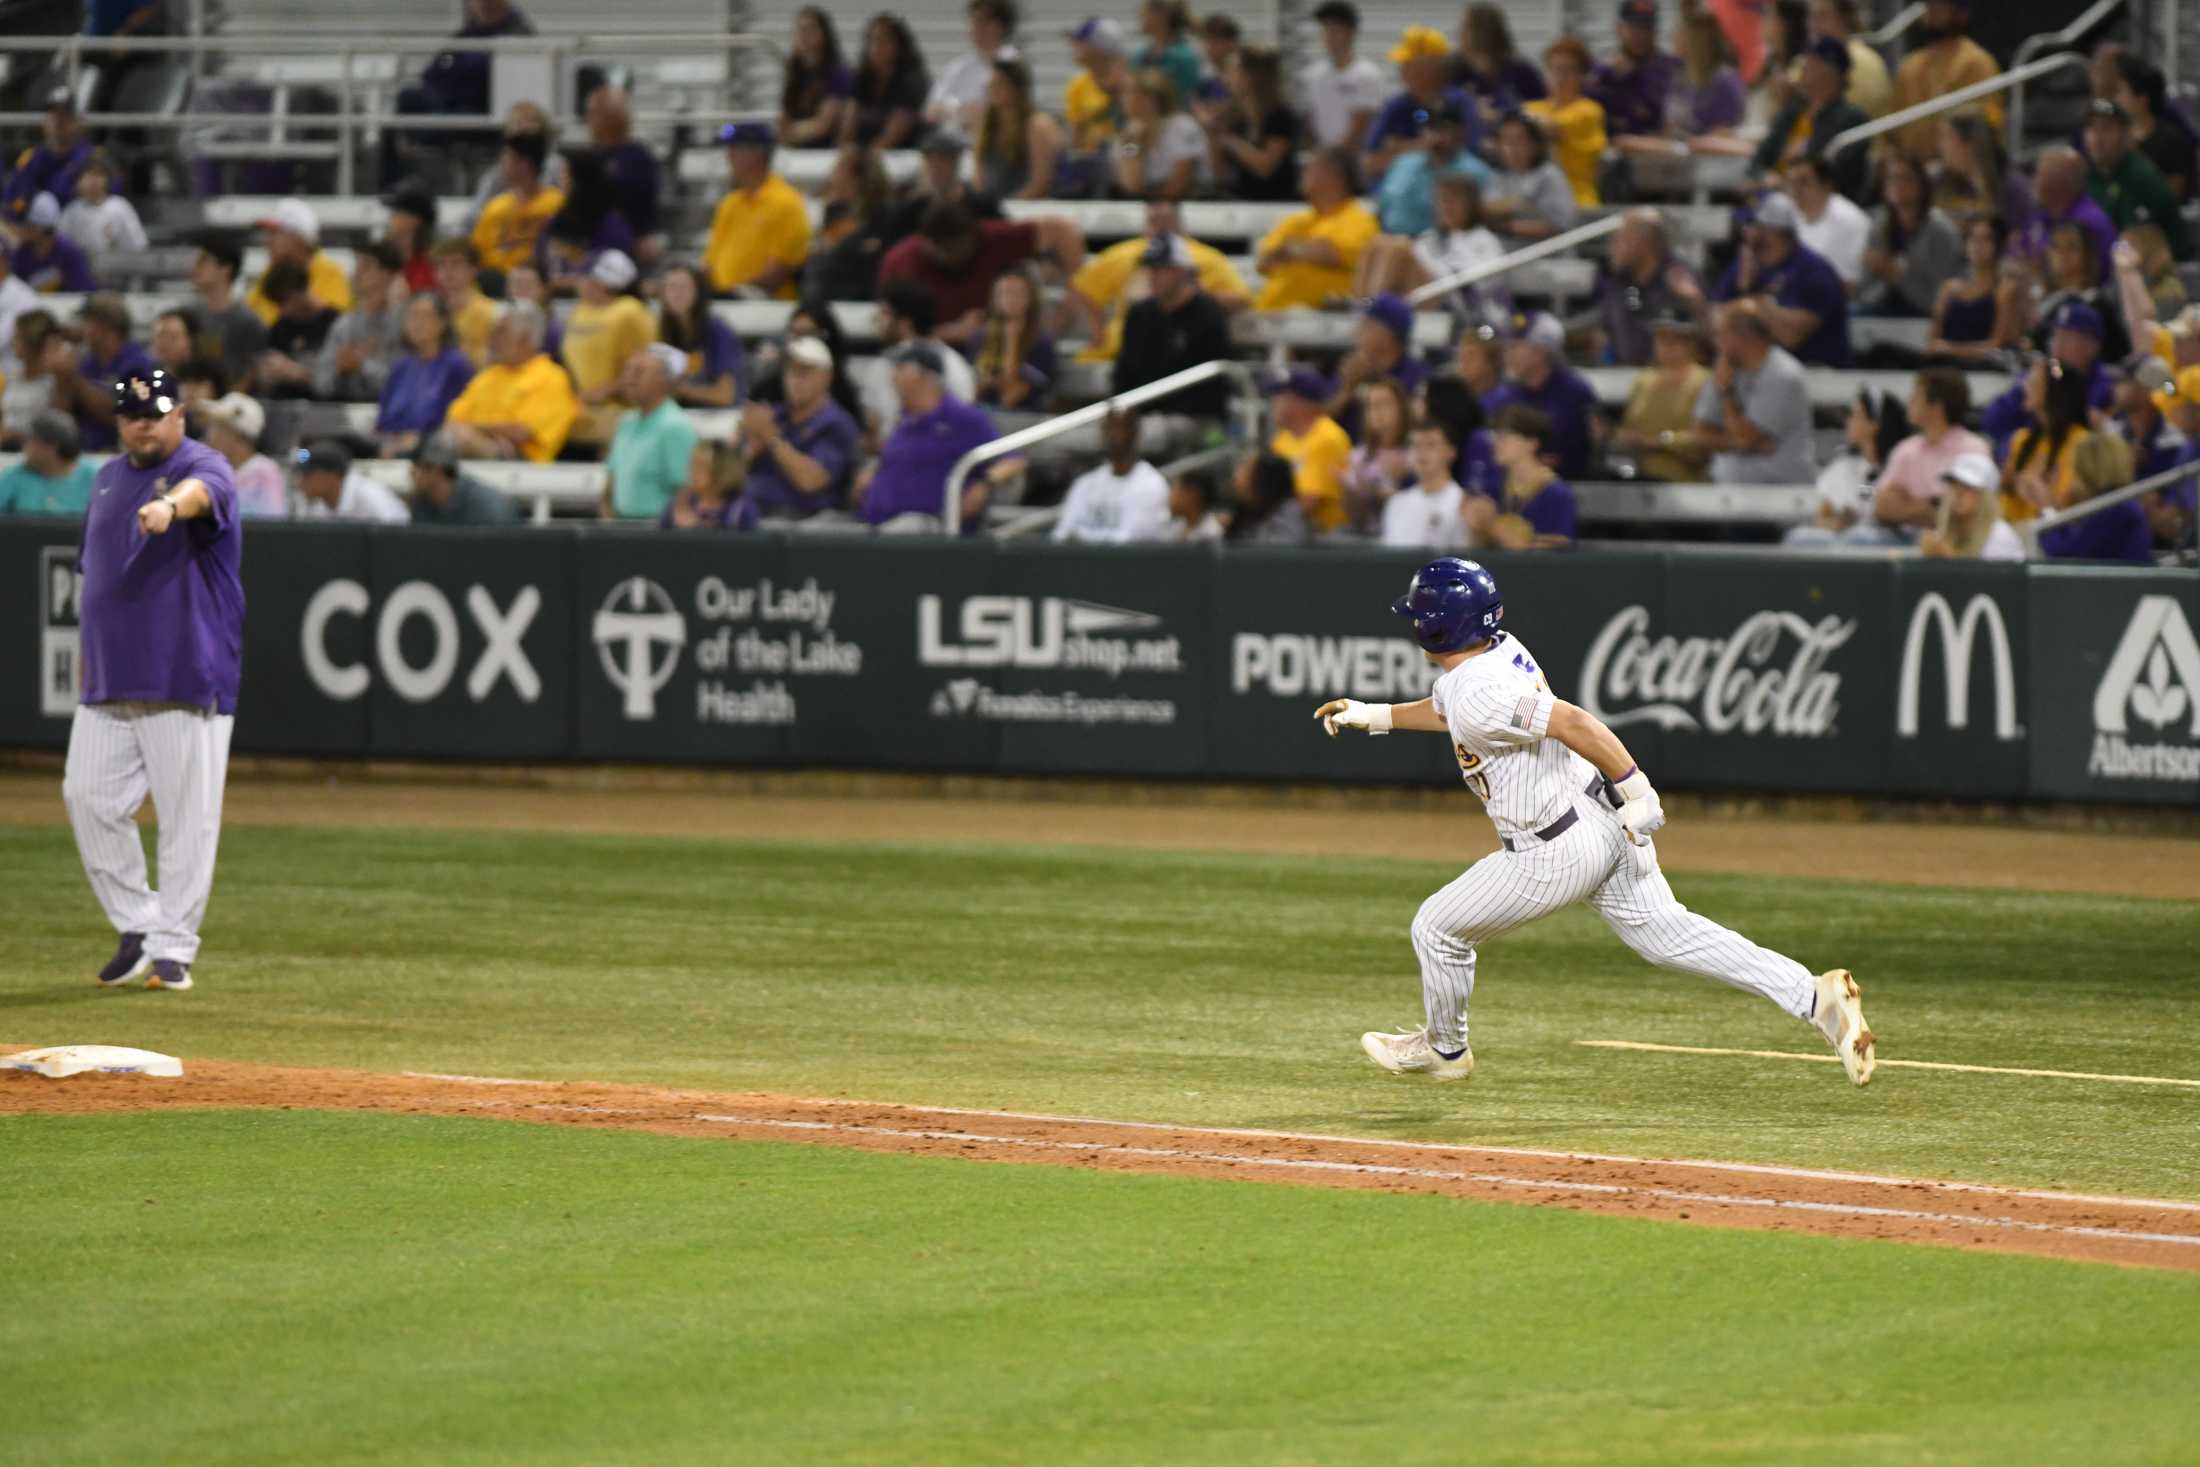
1944, 59
1114, 280
513, 221
761, 233
521, 405
1309, 257
473, 315
1572, 121
606, 327
293, 232
1315, 447
1089, 100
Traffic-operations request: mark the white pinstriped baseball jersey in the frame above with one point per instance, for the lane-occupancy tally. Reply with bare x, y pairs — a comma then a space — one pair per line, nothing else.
1499, 710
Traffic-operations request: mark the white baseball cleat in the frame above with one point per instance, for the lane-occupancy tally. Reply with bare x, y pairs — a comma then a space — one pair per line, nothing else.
1411, 1053
1840, 1017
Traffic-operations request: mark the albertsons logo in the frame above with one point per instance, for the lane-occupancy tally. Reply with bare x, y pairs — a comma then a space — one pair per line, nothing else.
2150, 694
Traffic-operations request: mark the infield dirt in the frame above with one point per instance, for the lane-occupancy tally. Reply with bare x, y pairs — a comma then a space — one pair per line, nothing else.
2136, 1233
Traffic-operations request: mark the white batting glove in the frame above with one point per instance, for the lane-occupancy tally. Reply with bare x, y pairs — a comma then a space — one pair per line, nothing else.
1340, 713
1640, 814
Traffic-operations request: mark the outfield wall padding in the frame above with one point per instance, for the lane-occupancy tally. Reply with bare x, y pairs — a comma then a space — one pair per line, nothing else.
1772, 672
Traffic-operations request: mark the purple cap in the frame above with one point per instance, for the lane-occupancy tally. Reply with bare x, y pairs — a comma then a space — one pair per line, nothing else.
746, 135
1301, 382
2076, 316
1391, 313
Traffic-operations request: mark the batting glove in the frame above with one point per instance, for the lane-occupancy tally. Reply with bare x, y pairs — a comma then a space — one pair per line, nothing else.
1339, 713
1640, 814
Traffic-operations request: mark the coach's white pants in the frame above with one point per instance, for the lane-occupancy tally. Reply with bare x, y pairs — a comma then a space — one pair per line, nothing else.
118, 753
1592, 862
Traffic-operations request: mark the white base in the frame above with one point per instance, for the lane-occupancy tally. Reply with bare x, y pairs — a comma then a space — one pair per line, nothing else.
106, 1059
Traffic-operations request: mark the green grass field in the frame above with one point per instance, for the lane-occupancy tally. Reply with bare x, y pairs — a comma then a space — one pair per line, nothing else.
363, 1288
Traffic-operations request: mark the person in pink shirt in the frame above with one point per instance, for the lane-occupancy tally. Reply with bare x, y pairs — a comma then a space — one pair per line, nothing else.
233, 427
1906, 500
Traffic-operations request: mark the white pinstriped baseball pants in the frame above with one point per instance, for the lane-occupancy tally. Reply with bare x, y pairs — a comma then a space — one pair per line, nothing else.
1592, 862
118, 753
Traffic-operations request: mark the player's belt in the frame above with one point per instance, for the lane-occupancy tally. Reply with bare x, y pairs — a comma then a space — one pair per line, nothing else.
1598, 788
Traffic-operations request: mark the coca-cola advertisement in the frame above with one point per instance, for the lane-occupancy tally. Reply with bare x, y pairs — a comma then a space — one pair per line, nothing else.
1753, 675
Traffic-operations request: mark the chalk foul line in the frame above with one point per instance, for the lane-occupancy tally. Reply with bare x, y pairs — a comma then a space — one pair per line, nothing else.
1903, 1064
1532, 1184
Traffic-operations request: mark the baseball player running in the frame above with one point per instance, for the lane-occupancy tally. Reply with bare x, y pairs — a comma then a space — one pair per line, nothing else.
1575, 817
162, 618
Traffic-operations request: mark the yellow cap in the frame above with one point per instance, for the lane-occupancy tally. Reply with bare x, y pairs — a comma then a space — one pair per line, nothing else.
1419, 43
2185, 389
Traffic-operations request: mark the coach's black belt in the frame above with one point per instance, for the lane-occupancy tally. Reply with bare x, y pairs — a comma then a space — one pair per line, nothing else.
1598, 788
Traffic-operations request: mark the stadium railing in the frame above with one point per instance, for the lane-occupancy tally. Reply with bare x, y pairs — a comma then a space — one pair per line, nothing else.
2031, 530
1898, 23
560, 55
2031, 46
1949, 101
1054, 427
1526, 255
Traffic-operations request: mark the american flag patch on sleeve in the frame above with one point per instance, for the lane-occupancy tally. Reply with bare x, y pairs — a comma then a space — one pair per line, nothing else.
1524, 714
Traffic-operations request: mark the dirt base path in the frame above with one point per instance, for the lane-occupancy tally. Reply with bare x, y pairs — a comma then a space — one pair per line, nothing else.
1725, 837
2136, 1233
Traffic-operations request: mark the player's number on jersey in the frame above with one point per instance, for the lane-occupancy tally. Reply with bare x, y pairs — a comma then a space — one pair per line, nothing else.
1470, 765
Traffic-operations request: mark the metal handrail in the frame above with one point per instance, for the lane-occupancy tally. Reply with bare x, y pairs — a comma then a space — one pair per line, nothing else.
2090, 17
1032, 521
1525, 255
1947, 101
1904, 18
1008, 443
2031, 530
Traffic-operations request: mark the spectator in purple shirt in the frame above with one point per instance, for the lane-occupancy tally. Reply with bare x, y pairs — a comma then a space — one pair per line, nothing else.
1424, 61
2058, 194
936, 429
1798, 291
1536, 376
44, 258
425, 381
708, 500
1534, 509
801, 448
629, 168
51, 167
1631, 87
86, 388
816, 84
1490, 66
2102, 464
1706, 96
716, 370
1382, 351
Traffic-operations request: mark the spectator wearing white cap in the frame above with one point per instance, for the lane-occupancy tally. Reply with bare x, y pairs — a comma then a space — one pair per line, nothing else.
292, 231
654, 443
234, 424
607, 327
53, 478
44, 258
801, 450
366, 341
1970, 526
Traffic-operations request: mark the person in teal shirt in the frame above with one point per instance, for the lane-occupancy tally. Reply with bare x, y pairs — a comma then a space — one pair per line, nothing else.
53, 477
1405, 201
654, 442
1168, 49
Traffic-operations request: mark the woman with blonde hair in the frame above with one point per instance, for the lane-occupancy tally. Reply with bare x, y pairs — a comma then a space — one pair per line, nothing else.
1161, 153
1970, 525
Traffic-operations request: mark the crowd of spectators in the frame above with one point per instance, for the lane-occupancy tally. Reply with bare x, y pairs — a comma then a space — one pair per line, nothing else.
562, 323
